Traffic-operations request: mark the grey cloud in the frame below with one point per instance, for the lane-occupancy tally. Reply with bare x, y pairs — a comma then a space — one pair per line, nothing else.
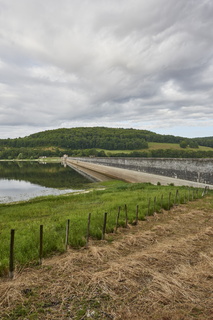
134, 63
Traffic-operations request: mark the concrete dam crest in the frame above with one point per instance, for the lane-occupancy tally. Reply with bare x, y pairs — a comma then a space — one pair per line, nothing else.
191, 172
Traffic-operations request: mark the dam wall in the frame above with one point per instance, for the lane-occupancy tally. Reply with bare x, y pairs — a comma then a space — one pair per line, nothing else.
197, 170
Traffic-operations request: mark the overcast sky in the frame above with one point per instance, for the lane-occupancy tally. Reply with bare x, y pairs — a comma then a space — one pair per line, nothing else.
145, 64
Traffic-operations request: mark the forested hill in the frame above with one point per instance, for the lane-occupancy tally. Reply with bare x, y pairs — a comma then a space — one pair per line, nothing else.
85, 138
207, 142
98, 137
84, 141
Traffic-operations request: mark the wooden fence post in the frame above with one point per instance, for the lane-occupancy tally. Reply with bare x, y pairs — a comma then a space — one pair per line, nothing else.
136, 219
204, 192
148, 211
154, 204
41, 245
161, 202
177, 198
88, 228
126, 216
117, 219
67, 234
11, 263
104, 226
169, 200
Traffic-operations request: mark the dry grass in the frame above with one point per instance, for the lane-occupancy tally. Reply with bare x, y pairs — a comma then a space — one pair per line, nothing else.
161, 269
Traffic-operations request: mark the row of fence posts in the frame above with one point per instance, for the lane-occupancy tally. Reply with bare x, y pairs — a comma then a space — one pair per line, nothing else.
176, 202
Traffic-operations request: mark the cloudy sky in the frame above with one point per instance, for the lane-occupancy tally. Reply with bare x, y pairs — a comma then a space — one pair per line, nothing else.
116, 63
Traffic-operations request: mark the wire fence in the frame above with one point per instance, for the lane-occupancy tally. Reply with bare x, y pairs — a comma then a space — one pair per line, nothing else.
153, 205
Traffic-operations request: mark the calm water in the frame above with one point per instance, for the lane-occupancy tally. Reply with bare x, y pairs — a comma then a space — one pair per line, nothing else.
26, 180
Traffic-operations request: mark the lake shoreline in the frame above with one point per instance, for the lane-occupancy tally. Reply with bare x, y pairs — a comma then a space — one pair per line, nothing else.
24, 180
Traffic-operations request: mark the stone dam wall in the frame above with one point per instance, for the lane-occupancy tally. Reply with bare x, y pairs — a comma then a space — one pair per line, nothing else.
197, 170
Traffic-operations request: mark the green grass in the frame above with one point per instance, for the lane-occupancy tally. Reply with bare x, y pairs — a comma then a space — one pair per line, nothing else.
53, 212
157, 146
174, 146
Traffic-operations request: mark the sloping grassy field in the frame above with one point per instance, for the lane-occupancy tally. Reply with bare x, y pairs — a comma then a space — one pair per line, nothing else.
157, 146
160, 269
53, 213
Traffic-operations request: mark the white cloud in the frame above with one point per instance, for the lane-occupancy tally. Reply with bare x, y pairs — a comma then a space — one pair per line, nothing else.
116, 63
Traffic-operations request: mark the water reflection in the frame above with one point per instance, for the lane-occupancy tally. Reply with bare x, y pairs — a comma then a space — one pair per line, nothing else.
25, 180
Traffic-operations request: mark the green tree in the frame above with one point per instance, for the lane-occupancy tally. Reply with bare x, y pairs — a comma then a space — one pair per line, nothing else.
183, 144
193, 144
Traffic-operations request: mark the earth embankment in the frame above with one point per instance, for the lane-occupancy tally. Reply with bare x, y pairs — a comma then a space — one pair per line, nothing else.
101, 172
160, 269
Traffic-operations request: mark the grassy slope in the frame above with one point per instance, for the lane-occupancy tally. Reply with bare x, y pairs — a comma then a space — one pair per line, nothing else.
160, 269
155, 146
151, 146
158, 145
53, 212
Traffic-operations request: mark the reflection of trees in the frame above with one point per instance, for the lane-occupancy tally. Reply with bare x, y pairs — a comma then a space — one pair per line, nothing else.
48, 175
20, 164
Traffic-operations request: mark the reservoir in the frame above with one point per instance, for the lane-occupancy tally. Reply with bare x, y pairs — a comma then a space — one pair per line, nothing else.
25, 180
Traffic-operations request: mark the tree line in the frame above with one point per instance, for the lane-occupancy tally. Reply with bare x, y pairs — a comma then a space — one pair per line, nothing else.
29, 153
98, 137
83, 138
86, 141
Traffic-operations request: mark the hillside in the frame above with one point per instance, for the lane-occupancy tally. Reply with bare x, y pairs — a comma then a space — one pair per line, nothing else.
87, 138
85, 141
160, 270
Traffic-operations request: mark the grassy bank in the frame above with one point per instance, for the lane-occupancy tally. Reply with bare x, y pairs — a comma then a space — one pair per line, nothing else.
53, 212
157, 146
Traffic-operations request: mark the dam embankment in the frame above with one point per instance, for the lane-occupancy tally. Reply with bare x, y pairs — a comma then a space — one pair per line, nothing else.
191, 172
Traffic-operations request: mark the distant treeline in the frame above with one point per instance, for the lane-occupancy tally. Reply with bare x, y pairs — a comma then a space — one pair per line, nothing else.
206, 142
85, 141
28, 153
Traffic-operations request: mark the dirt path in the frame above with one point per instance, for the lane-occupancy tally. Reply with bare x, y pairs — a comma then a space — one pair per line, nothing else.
161, 269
